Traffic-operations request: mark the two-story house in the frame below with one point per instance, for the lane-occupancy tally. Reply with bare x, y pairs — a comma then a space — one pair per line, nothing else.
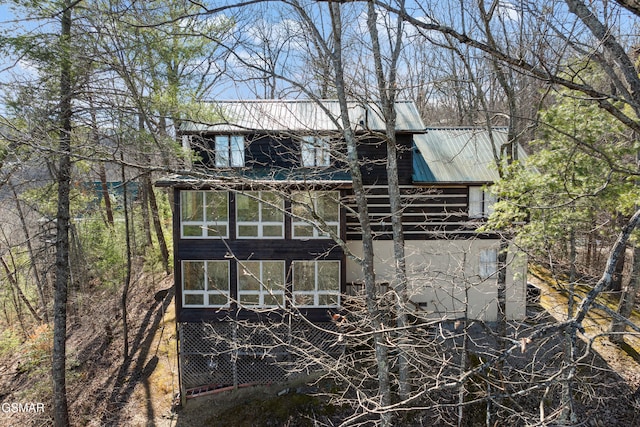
265, 225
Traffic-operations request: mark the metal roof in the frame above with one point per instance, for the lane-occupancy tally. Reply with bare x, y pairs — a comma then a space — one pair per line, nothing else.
454, 155
302, 115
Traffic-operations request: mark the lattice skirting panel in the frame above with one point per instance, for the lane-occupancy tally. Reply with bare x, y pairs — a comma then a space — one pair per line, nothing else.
221, 354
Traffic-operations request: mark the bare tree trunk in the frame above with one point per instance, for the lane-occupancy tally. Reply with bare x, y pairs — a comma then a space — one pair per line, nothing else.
146, 223
627, 299
58, 360
502, 290
387, 93
102, 172
146, 219
616, 280
18, 309
127, 278
568, 413
32, 255
375, 316
157, 225
14, 282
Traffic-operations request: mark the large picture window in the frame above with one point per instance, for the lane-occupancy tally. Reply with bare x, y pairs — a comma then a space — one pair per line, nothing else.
229, 151
316, 283
205, 283
260, 215
481, 202
324, 204
204, 214
314, 152
261, 283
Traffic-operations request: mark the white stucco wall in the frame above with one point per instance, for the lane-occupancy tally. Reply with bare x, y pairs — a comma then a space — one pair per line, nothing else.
444, 274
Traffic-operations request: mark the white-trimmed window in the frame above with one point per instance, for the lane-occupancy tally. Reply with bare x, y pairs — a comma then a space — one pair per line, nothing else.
314, 152
204, 214
229, 151
261, 283
488, 263
481, 202
205, 283
316, 283
259, 214
306, 204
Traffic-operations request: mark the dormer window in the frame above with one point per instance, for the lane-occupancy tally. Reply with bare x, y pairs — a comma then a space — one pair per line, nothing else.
229, 151
314, 152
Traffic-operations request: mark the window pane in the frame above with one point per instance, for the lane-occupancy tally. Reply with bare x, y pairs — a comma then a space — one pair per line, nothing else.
303, 276
217, 202
475, 202
303, 231
273, 299
248, 231
328, 300
250, 299
328, 206
322, 153
248, 206
308, 152
237, 151
273, 274
194, 299
272, 207
301, 204
193, 275
218, 275
328, 276
218, 299
249, 275
192, 230
489, 201
191, 205
488, 263
216, 230
314, 151
300, 299
272, 231
222, 151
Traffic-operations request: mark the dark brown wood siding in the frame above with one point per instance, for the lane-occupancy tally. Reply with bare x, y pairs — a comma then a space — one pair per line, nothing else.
429, 212
285, 249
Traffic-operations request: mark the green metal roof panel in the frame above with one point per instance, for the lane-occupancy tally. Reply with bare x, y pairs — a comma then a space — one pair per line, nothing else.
302, 116
454, 155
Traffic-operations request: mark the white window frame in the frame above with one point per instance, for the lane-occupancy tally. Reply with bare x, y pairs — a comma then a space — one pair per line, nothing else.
229, 151
316, 293
260, 224
206, 291
481, 202
264, 291
316, 232
204, 224
315, 152
488, 263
